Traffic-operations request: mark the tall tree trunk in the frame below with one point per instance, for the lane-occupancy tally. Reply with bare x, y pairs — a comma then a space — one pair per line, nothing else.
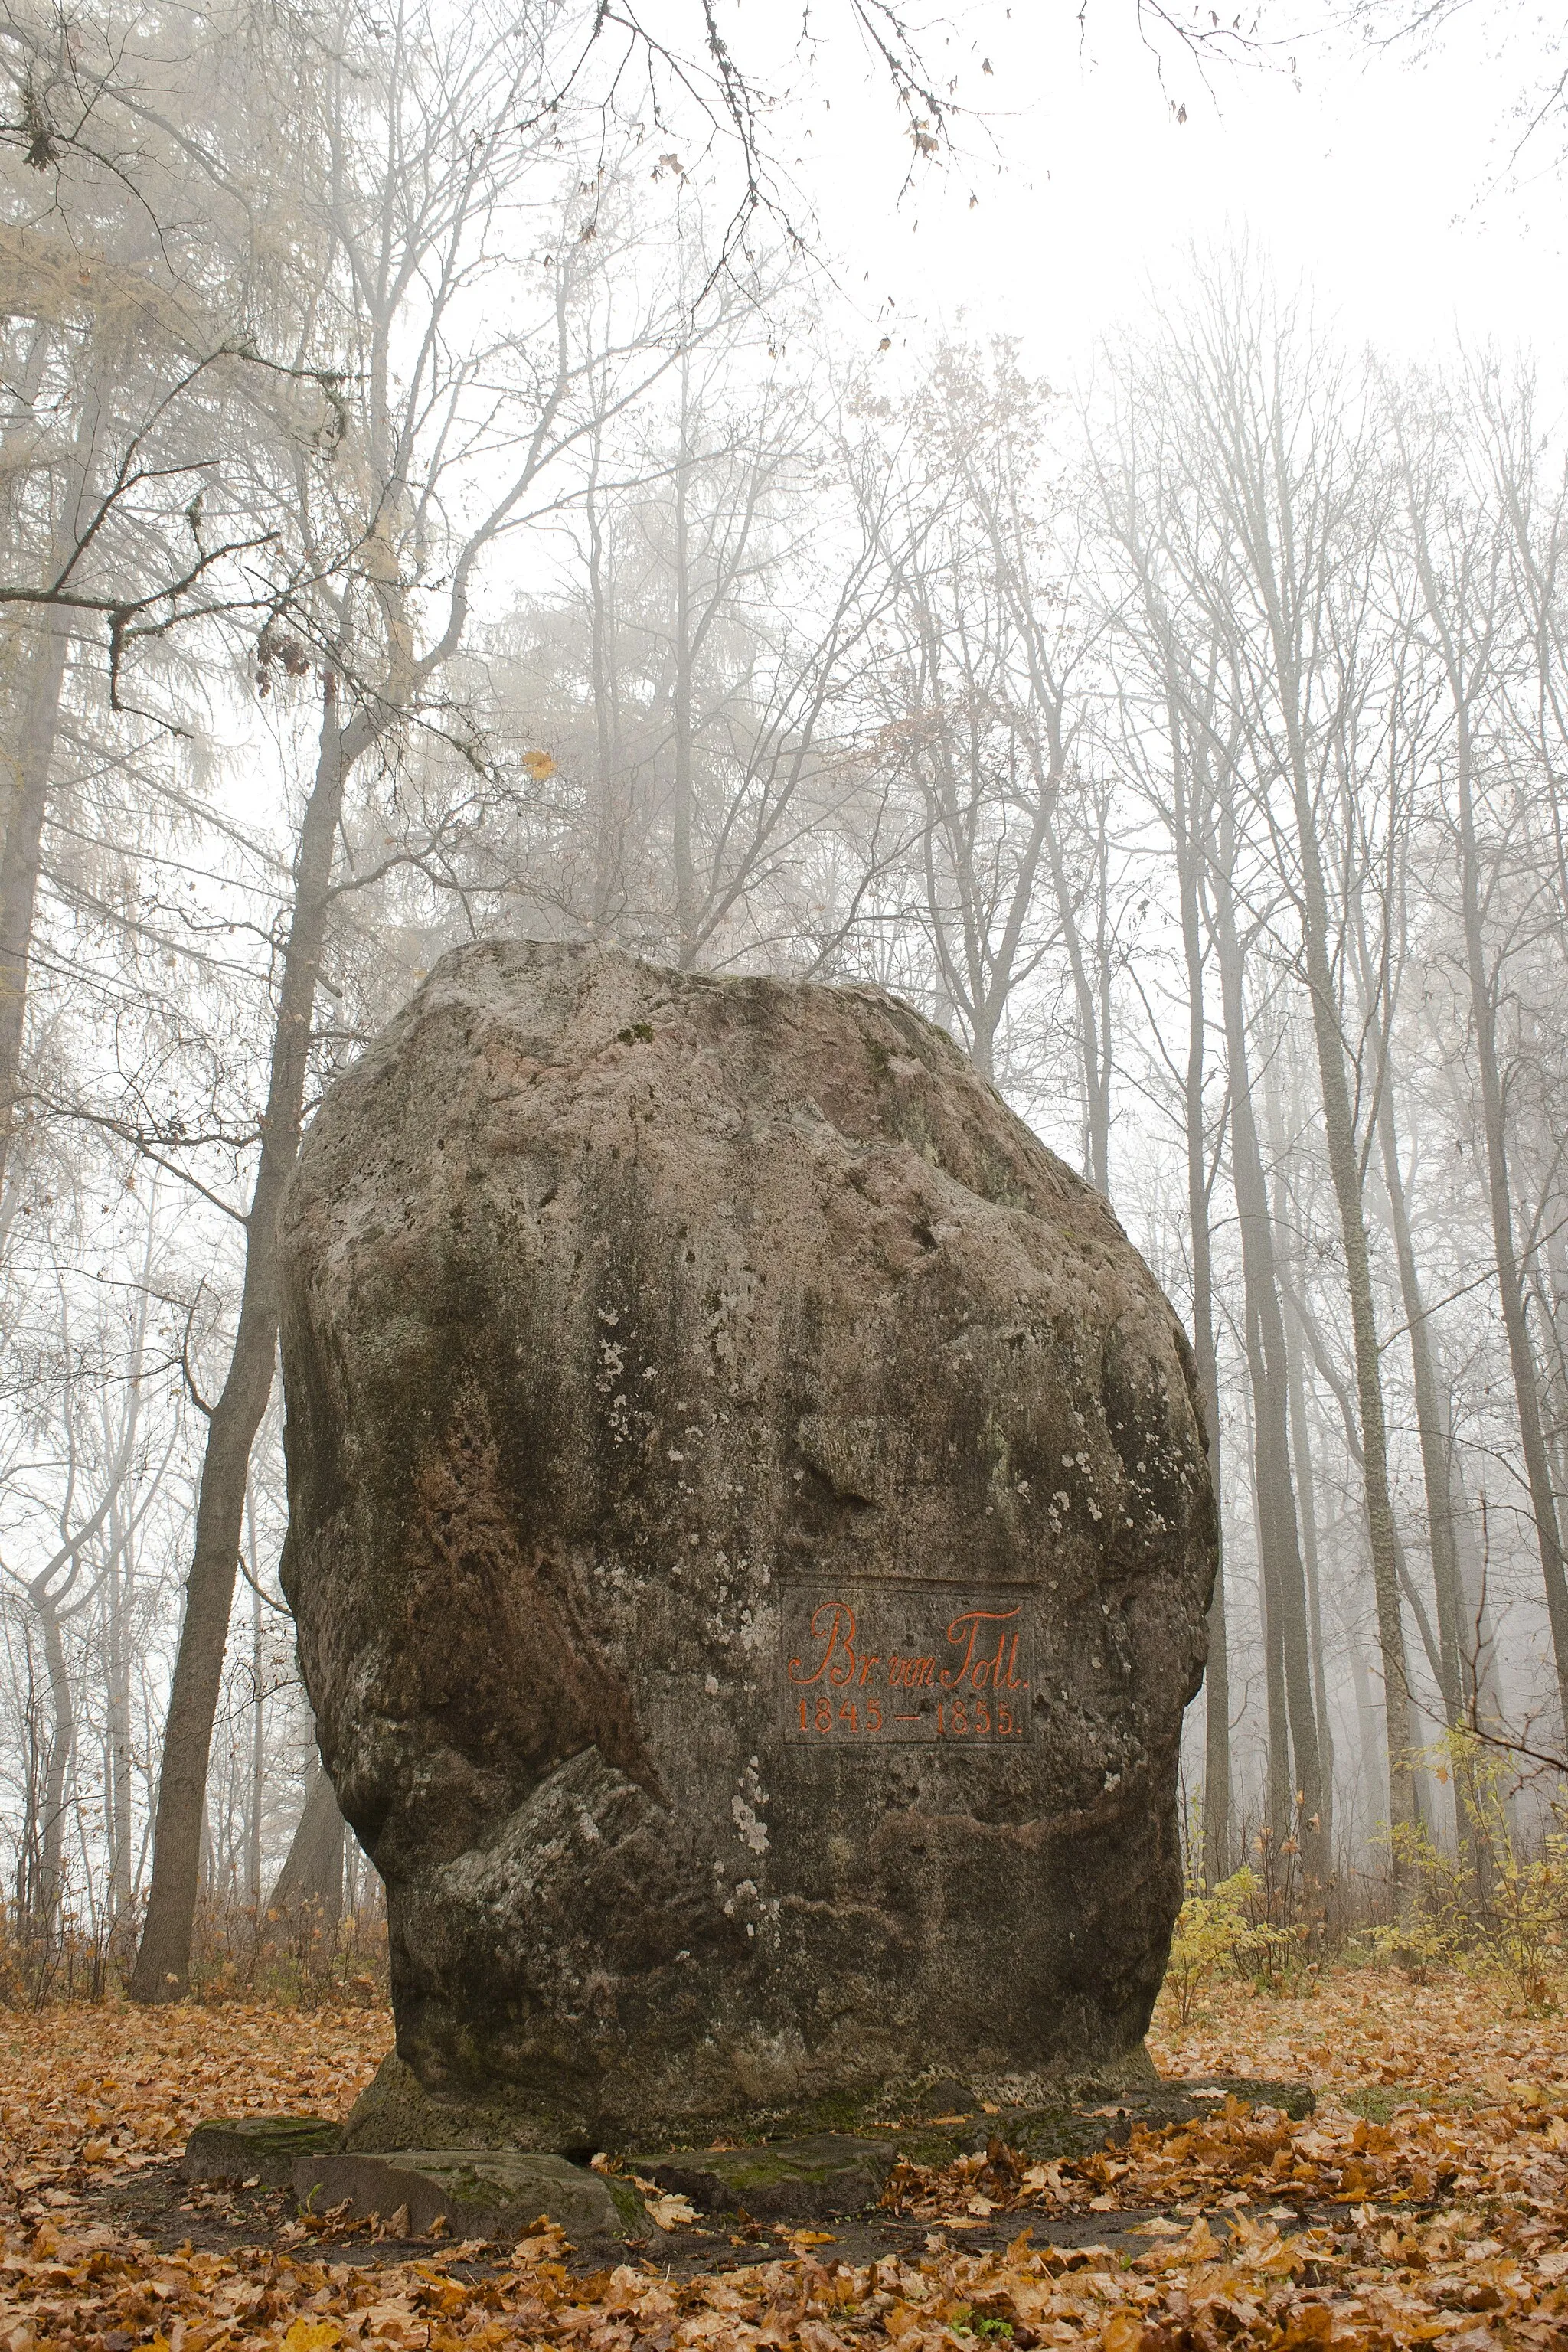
118, 1587
1186, 834
162, 1963
1456, 1670
1509, 1271
1277, 1808
258, 1791
1104, 970
21, 858
1217, 1731
1095, 1050
683, 814
1301, 1455
312, 1872
1344, 1165
1477, 1647
612, 830
1284, 1579
1428, 1415
1367, 1711
56, 1776
27, 813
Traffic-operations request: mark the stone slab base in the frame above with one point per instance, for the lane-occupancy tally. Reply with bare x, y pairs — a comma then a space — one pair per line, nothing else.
485, 2191
831, 2173
257, 2147
1047, 2133
784, 2180
472, 2192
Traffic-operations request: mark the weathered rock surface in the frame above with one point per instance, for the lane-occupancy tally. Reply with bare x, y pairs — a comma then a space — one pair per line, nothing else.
473, 2193
750, 1536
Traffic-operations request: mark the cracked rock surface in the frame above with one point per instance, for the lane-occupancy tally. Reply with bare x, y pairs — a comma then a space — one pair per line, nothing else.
750, 1536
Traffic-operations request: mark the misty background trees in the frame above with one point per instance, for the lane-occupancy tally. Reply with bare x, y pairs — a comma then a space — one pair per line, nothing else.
433, 508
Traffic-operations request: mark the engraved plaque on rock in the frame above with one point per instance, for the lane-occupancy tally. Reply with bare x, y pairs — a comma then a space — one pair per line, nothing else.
867, 1660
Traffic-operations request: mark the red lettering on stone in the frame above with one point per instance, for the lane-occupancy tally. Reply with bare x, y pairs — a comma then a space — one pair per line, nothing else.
838, 1665
838, 1636
977, 1672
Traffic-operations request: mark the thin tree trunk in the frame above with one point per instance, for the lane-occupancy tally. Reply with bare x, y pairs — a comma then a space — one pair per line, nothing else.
1100, 1140
56, 1776
258, 1727
21, 859
1477, 1645
1367, 1712
1277, 1758
162, 1963
1450, 1662
312, 1872
21, 853
1185, 832
1095, 1050
1428, 1417
1284, 1580
1299, 1440
1271, 1617
117, 1663
1511, 1276
1301, 1451
1344, 1165
684, 810
612, 839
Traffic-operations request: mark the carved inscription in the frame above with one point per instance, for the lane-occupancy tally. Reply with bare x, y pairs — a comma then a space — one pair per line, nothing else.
904, 1659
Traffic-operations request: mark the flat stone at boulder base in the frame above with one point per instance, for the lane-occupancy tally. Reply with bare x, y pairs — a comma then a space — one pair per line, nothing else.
1067, 2130
1180, 2103
750, 1536
474, 2192
256, 2147
835, 2173
784, 2180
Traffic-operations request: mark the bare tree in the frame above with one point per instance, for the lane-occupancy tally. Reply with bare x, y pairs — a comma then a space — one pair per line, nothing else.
409, 235
980, 684
1292, 477
694, 690
1458, 553
1170, 734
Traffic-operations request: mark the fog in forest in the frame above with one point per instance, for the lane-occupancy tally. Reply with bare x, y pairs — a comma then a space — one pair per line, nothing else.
472, 472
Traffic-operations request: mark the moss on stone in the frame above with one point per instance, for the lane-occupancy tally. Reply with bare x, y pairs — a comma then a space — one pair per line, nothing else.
265, 2146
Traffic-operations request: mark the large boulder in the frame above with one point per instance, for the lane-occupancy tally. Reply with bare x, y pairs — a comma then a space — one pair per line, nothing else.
750, 1534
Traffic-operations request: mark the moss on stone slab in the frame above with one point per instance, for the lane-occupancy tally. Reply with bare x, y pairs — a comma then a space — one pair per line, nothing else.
259, 2148
825, 2173
780, 2179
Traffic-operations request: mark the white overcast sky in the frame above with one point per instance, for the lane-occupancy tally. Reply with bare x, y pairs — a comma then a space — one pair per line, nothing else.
1373, 177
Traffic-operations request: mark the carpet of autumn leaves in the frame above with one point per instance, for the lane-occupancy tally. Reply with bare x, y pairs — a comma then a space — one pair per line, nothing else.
1426, 2202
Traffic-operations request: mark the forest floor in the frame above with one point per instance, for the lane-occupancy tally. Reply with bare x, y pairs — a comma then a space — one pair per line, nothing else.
1425, 2201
